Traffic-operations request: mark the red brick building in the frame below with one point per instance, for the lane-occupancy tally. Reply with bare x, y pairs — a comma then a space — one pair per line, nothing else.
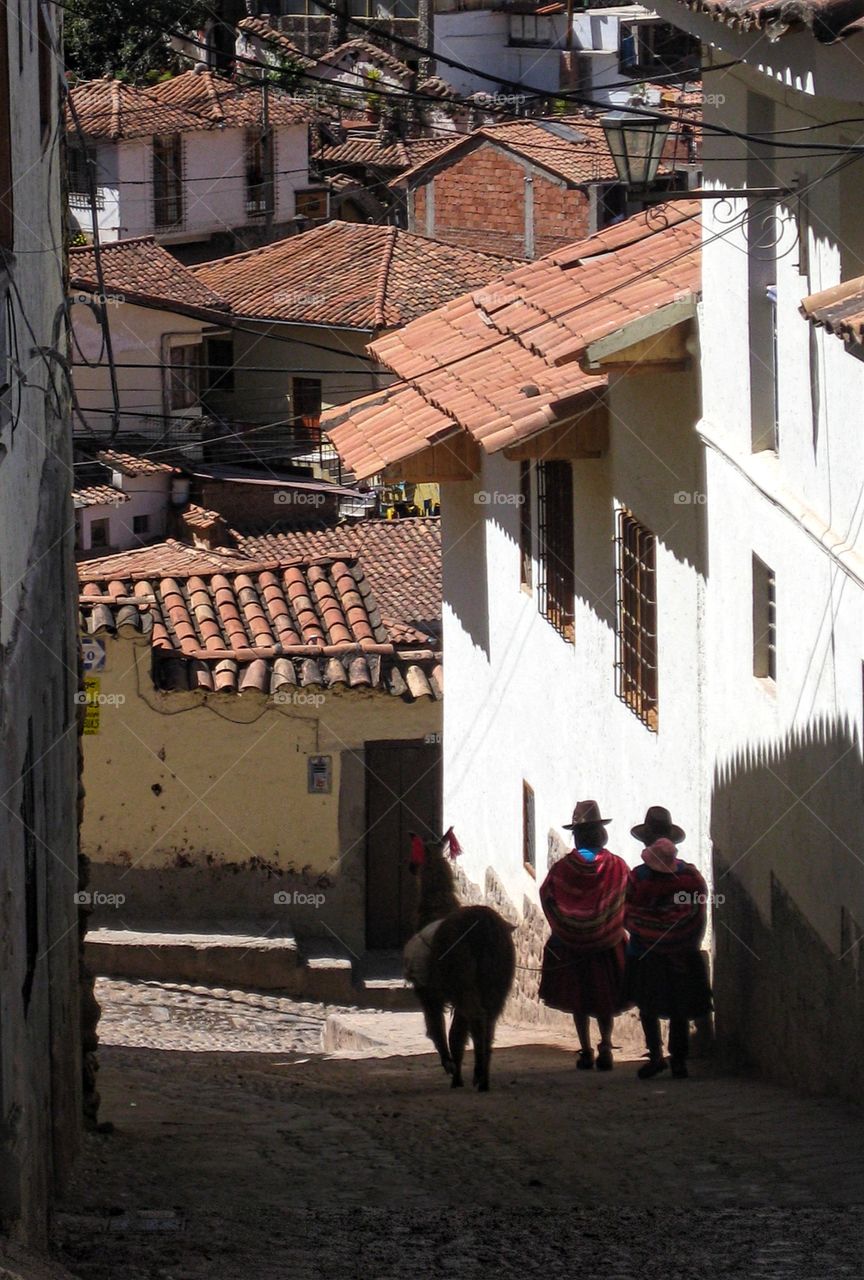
522, 188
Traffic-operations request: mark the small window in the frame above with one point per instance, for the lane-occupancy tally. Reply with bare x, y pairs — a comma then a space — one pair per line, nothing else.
99, 533
220, 365
312, 204
46, 75
260, 190
7, 218
764, 622
141, 524
529, 837
636, 663
526, 533
167, 180
184, 386
307, 407
556, 587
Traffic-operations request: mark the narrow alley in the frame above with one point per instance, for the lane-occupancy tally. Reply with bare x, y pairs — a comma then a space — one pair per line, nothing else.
251, 1153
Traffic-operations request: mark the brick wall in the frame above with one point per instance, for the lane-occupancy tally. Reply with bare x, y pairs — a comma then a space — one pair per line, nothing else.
480, 204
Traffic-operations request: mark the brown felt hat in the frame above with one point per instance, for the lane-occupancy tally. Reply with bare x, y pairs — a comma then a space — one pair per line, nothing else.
586, 814
658, 822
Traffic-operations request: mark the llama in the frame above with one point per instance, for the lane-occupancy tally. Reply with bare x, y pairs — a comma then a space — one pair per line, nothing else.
461, 956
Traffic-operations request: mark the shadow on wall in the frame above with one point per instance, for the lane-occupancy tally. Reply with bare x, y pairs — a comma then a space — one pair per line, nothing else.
788, 853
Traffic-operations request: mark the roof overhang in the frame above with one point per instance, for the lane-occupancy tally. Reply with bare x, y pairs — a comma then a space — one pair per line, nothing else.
662, 339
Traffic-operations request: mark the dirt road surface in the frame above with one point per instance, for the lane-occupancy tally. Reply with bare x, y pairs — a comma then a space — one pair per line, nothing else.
241, 1152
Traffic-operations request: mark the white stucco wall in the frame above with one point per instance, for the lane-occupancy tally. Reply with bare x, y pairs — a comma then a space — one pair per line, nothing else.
214, 172
522, 703
138, 338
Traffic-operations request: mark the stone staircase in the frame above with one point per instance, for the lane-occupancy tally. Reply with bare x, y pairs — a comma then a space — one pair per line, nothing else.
254, 959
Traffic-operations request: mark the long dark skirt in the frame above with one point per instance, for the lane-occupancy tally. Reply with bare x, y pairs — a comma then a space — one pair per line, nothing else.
587, 984
669, 986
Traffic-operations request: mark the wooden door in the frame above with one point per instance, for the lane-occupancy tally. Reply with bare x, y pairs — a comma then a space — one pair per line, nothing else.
403, 794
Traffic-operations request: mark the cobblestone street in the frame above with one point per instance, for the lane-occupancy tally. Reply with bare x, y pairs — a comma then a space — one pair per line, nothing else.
242, 1152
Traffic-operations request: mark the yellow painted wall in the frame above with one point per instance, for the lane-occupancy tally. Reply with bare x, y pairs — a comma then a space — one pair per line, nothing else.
230, 777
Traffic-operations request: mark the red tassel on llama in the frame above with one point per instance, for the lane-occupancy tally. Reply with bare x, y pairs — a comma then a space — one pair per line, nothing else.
454, 848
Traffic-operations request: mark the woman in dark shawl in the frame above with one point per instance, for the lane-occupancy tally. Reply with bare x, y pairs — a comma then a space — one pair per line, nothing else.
667, 974
583, 962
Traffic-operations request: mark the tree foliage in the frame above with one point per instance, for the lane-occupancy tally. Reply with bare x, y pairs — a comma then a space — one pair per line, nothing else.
128, 39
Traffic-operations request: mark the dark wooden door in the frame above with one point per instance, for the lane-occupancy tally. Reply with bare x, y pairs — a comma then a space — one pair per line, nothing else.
403, 794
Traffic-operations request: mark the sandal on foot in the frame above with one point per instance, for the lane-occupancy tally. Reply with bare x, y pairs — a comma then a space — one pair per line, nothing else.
605, 1061
585, 1061
652, 1068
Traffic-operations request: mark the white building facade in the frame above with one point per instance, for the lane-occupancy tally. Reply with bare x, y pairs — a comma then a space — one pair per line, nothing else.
784, 461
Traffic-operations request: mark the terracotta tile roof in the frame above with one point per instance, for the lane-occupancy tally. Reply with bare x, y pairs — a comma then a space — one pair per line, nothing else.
573, 149
362, 50
828, 20
219, 103
133, 464
222, 624
437, 87
272, 35
502, 363
141, 271
402, 560
201, 518
350, 274
107, 108
369, 152
98, 495
840, 309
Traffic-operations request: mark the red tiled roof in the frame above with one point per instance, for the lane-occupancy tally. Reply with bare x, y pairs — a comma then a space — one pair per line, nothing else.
402, 154
221, 103
829, 20
133, 464
437, 87
272, 35
222, 624
362, 50
108, 108
402, 560
142, 271
840, 309
573, 149
354, 275
98, 495
502, 363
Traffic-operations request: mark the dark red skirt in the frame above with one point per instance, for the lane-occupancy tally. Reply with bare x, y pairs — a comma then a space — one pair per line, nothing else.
669, 986
586, 983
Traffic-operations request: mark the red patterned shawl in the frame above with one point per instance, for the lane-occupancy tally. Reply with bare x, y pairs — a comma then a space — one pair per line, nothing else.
584, 901
666, 912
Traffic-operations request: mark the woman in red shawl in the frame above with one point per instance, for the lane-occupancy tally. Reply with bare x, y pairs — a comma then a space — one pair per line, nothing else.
667, 974
583, 962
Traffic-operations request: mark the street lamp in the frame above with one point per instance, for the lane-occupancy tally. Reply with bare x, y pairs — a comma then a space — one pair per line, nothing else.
636, 143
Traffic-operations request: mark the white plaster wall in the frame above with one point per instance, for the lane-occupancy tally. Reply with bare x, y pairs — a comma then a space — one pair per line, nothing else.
147, 495
214, 168
137, 339
480, 39
523, 704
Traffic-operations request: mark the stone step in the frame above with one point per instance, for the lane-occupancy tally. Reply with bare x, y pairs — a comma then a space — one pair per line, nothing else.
211, 959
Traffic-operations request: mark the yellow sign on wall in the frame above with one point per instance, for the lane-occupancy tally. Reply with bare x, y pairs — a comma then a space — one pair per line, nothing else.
92, 708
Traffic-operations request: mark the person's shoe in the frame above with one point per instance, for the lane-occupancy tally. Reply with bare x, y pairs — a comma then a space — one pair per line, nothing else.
585, 1061
652, 1068
679, 1069
605, 1061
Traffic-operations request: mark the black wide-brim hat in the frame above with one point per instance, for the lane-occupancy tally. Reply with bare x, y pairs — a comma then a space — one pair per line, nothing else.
658, 823
586, 814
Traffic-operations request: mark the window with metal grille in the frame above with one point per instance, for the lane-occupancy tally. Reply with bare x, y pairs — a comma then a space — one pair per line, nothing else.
260, 192
81, 171
167, 180
636, 663
526, 532
529, 840
556, 586
764, 621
